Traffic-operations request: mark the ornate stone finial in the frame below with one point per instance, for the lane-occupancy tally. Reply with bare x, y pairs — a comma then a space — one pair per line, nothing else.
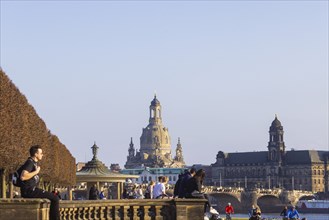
94, 149
178, 140
276, 116
155, 94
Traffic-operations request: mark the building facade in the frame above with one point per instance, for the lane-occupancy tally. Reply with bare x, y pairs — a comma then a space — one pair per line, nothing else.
155, 145
274, 168
147, 174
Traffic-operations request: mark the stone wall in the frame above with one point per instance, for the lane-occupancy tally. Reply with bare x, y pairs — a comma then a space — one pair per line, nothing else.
24, 209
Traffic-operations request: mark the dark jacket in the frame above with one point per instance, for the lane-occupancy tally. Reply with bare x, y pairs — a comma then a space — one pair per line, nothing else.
182, 185
192, 184
93, 193
177, 185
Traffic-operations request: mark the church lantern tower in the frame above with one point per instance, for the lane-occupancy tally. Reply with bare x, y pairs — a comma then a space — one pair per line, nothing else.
276, 146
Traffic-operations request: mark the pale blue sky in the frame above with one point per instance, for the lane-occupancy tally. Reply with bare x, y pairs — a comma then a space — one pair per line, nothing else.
221, 71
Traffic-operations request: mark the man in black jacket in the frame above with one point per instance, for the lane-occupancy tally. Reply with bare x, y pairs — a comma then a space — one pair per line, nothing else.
182, 186
30, 180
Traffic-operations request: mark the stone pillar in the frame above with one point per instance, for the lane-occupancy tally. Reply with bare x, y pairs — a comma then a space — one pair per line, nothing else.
11, 190
118, 190
121, 190
69, 193
189, 209
3, 183
97, 186
23, 209
249, 198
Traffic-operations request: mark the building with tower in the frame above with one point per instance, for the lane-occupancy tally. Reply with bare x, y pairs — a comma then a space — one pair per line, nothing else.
155, 145
276, 167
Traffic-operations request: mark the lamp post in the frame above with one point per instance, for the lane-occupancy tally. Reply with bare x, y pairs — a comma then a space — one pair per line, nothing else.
293, 182
220, 179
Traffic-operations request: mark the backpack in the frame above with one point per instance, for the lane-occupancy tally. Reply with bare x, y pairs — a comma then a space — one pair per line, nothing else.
16, 177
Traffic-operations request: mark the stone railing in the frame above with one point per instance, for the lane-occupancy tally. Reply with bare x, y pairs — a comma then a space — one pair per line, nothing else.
144, 209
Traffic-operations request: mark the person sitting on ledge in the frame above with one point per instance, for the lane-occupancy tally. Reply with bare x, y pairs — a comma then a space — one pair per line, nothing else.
30, 180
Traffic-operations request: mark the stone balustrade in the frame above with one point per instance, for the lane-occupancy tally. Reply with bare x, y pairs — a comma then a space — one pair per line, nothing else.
144, 209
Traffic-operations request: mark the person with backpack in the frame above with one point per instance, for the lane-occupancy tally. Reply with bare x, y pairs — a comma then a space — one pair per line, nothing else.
30, 179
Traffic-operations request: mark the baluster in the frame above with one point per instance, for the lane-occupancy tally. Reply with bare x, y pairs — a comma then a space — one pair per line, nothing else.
69, 214
147, 212
73, 213
89, 213
158, 212
94, 213
85, 213
134, 210
78, 214
102, 213
66, 213
118, 213
107, 212
61, 213
97, 211
126, 214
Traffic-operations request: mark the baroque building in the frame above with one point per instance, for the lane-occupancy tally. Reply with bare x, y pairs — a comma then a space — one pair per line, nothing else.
276, 167
155, 146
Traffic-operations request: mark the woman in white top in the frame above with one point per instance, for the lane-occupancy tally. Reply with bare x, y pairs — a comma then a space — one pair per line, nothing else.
139, 192
159, 190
